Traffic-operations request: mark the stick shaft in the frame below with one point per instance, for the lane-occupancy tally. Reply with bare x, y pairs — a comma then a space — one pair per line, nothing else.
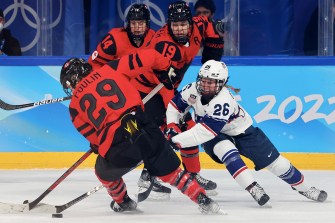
152, 93
9, 107
59, 180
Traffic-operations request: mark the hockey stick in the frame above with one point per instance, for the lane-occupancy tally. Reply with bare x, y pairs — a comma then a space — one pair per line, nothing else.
33, 204
145, 194
152, 93
6, 208
9, 107
61, 208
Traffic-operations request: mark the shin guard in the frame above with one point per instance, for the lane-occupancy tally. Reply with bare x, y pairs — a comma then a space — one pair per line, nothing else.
184, 182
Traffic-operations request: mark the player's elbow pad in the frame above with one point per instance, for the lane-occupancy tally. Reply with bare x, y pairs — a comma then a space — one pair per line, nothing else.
213, 49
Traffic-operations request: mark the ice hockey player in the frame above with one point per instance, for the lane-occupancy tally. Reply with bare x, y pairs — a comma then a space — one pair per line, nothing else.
135, 35
180, 40
108, 111
225, 129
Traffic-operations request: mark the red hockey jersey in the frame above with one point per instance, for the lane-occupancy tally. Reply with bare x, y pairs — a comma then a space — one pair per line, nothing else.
115, 45
105, 95
181, 55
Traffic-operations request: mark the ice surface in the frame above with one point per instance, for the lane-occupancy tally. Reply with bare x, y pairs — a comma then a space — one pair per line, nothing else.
287, 205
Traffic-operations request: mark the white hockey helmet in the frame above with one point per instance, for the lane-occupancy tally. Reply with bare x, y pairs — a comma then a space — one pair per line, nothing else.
212, 70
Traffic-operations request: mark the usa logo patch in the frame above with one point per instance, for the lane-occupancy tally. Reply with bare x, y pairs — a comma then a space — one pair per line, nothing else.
192, 99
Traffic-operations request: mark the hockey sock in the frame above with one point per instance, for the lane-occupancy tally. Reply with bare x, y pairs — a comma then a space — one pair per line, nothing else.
237, 168
295, 178
116, 189
226, 151
283, 168
184, 182
190, 159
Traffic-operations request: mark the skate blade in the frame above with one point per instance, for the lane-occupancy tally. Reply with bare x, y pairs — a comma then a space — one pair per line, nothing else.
222, 212
211, 192
219, 212
267, 205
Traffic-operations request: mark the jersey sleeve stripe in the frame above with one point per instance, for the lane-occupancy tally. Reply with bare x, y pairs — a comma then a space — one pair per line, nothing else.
175, 106
208, 128
138, 60
84, 126
90, 132
131, 63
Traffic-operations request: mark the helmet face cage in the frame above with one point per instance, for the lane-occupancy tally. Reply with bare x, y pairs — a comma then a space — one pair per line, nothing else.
138, 12
180, 11
212, 70
208, 92
72, 72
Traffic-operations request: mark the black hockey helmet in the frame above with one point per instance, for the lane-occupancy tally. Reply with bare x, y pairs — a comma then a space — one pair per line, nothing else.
179, 11
73, 70
138, 12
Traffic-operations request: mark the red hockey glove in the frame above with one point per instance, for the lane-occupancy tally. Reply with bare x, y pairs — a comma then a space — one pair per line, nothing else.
172, 130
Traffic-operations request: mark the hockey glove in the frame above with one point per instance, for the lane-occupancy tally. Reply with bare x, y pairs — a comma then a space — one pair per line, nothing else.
172, 130
174, 146
165, 77
213, 49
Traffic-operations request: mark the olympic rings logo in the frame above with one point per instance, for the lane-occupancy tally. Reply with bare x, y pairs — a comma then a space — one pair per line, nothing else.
160, 21
19, 5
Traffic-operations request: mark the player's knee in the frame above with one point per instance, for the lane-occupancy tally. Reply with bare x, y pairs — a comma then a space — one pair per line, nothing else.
280, 166
222, 147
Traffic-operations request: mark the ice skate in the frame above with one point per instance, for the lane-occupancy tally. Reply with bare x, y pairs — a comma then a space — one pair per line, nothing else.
315, 194
258, 193
159, 192
208, 185
208, 206
127, 205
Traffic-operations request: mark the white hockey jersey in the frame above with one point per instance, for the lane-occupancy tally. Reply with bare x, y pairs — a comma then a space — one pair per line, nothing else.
222, 114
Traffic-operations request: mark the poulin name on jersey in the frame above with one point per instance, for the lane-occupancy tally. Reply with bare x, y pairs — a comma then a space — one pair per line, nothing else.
86, 81
192, 99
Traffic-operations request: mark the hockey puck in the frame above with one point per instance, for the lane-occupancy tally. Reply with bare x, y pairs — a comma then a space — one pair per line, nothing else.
25, 202
58, 215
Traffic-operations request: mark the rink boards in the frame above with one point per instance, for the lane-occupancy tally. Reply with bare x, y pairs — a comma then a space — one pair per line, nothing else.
291, 99
54, 160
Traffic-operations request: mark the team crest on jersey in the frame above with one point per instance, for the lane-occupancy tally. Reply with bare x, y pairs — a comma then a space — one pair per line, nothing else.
192, 99
94, 55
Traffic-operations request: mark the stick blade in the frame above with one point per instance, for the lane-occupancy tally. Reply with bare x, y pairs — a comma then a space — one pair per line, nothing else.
145, 194
9, 208
5, 106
